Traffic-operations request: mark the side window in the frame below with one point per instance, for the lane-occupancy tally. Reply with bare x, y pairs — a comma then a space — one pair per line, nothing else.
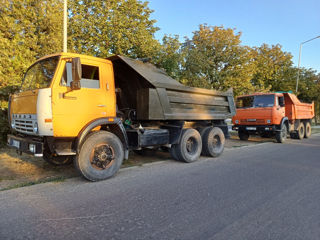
90, 76
67, 75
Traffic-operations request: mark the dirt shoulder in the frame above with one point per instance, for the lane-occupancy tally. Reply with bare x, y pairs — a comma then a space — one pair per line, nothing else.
23, 170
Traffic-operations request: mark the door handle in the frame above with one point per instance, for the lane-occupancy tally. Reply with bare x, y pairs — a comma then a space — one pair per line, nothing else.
101, 105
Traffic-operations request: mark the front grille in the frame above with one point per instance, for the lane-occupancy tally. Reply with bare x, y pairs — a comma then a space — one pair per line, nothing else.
252, 121
24, 123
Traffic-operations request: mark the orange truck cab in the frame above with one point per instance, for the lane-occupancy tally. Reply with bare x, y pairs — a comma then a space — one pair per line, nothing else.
272, 114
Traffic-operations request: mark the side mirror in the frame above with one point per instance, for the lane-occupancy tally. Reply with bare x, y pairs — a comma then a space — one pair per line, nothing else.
76, 74
281, 101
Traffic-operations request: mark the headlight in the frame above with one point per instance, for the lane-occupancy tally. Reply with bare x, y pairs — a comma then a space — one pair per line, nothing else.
237, 121
35, 127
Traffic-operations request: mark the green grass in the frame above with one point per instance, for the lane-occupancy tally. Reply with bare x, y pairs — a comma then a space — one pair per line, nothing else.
26, 184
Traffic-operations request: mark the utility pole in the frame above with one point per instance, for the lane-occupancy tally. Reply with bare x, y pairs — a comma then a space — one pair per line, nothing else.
65, 19
300, 58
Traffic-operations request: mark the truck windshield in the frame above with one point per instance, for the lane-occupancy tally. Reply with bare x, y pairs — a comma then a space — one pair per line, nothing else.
255, 101
40, 74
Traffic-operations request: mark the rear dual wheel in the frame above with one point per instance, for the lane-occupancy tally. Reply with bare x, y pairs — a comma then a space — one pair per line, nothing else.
189, 148
301, 131
307, 133
213, 141
209, 141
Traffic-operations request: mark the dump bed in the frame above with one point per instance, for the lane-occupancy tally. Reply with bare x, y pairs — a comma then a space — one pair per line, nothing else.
296, 109
156, 96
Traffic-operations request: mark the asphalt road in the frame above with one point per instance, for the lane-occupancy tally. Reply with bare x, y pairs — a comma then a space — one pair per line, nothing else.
266, 191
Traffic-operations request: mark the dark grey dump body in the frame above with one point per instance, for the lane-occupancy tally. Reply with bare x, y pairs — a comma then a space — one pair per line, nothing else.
156, 96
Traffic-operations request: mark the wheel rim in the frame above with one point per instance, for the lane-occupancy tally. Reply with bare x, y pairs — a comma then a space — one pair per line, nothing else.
216, 142
102, 156
191, 146
301, 131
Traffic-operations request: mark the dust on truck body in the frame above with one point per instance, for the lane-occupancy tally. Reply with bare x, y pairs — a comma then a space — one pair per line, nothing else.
273, 114
92, 111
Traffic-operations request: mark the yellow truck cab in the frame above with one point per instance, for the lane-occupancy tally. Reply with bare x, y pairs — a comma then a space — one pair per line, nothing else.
93, 110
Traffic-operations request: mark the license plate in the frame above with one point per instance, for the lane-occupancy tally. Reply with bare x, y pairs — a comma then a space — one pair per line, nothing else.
15, 143
251, 128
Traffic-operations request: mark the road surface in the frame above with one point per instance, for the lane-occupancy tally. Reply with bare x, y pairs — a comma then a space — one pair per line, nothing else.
266, 191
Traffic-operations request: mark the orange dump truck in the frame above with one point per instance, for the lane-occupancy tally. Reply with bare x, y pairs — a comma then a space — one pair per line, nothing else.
273, 114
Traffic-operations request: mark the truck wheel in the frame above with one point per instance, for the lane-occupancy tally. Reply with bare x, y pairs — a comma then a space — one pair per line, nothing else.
213, 142
57, 160
243, 135
281, 136
308, 130
101, 156
293, 135
301, 131
190, 146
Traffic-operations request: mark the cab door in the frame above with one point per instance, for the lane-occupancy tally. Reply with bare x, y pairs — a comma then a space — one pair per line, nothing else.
74, 109
279, 109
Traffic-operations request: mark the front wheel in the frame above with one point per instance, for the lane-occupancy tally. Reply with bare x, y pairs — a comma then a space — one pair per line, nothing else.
57, 160
243, 135
281, 135
100, 156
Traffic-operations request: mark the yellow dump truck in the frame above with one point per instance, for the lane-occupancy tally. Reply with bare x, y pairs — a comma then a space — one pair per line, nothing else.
92, 111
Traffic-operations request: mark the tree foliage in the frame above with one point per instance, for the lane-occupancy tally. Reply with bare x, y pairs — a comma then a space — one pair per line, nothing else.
272, 66
29, 29
212, 58
216, 60
103, 28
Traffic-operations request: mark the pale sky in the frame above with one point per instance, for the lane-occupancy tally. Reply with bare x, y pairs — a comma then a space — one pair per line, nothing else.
285, 22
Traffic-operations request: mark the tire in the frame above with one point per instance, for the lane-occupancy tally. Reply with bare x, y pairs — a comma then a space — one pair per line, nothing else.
293, 135
281, 136
57, 160
190, 146
101, 156
243, 135
301, 131
308, 130
213, 141
265, 134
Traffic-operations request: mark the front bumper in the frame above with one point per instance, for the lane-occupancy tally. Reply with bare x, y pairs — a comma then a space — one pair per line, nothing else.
254, 128
26, 144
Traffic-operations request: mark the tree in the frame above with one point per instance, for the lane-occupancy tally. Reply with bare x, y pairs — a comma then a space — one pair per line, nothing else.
273, 67
29, 29
103, 28
215, 59
170, 56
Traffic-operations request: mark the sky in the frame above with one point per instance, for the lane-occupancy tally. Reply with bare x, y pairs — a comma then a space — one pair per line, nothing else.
284, 22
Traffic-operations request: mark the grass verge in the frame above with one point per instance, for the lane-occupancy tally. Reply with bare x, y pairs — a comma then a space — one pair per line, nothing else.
45, 180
